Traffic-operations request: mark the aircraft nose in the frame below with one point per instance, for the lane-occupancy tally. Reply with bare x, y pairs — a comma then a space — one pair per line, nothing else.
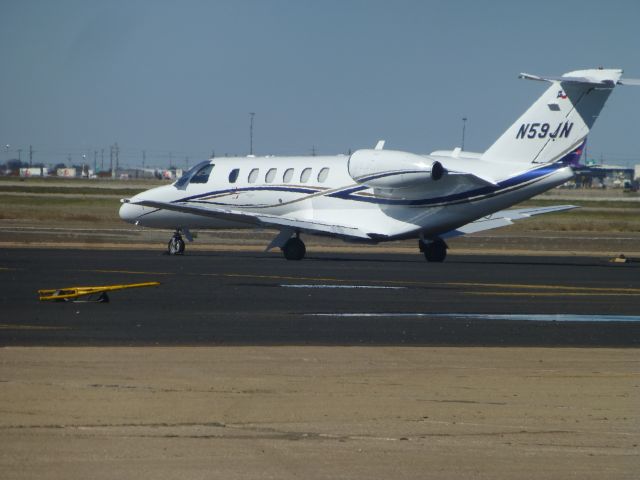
129, 212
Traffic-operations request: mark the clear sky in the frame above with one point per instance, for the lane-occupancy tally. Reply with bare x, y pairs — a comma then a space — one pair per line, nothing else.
182, 76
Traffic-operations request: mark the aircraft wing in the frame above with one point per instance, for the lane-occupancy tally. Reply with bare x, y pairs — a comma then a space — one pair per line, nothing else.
503, 218
261, 219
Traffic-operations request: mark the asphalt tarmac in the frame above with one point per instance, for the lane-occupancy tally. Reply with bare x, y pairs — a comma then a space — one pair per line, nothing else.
237, 298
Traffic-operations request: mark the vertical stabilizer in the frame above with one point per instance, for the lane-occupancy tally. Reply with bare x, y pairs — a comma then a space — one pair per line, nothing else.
558, 122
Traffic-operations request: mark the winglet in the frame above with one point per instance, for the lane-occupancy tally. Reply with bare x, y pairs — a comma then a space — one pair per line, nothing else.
380, 145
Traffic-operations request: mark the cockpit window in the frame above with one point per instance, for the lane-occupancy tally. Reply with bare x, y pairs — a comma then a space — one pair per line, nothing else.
198, 174
202, 175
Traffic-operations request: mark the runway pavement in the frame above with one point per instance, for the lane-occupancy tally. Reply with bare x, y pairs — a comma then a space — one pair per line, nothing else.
282, 404
235, 298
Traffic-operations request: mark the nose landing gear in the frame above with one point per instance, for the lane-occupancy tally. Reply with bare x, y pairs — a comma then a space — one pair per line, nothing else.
176, 244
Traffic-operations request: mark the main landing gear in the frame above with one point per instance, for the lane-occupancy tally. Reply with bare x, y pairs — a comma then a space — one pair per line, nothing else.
294, 248
176, 244
434, 251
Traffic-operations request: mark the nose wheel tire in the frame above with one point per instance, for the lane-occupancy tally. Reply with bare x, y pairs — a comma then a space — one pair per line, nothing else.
175, 246
294, 249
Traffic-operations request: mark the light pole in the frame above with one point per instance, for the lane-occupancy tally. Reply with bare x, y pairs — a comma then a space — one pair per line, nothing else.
251, 114
6, 149
464, 127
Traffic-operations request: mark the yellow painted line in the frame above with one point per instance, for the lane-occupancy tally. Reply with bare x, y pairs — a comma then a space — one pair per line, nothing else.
552, 294
6, 269
133, 272
544, 287
559, 289
8, 326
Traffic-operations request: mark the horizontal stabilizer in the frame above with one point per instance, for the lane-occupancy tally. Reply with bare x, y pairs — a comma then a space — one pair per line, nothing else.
629, 81
261, 219
569, 79
504, 218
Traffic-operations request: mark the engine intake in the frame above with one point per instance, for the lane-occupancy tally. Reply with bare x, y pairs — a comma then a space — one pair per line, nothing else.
393, 169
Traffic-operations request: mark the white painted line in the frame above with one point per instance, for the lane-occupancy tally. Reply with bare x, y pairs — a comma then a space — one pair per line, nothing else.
376, 287
490, 316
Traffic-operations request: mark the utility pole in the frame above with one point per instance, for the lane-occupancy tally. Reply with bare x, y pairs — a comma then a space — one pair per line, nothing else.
117, 157
111, 161
251, 115
144, 158
19, 154
464, 127
30, 156
95, 162
102, 159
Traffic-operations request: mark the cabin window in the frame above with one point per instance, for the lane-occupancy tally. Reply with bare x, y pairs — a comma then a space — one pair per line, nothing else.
304, 176
270, 176
253, 175
233, 176
288, 175
322, 175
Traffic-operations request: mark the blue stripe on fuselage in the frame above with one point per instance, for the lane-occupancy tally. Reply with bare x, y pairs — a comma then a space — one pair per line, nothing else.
309, 191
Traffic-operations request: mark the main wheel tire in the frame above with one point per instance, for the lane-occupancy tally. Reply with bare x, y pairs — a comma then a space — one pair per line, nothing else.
435, 251
175, 246
294, 249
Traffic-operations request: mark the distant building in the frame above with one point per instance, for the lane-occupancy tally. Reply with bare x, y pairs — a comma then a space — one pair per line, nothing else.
34, 172
66, 172
615, 175
138, 173
603, 176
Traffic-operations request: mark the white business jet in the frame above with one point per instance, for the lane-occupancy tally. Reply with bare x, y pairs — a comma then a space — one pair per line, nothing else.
377, 195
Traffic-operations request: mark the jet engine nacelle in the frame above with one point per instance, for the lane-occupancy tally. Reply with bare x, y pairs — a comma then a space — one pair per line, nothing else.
393, 169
